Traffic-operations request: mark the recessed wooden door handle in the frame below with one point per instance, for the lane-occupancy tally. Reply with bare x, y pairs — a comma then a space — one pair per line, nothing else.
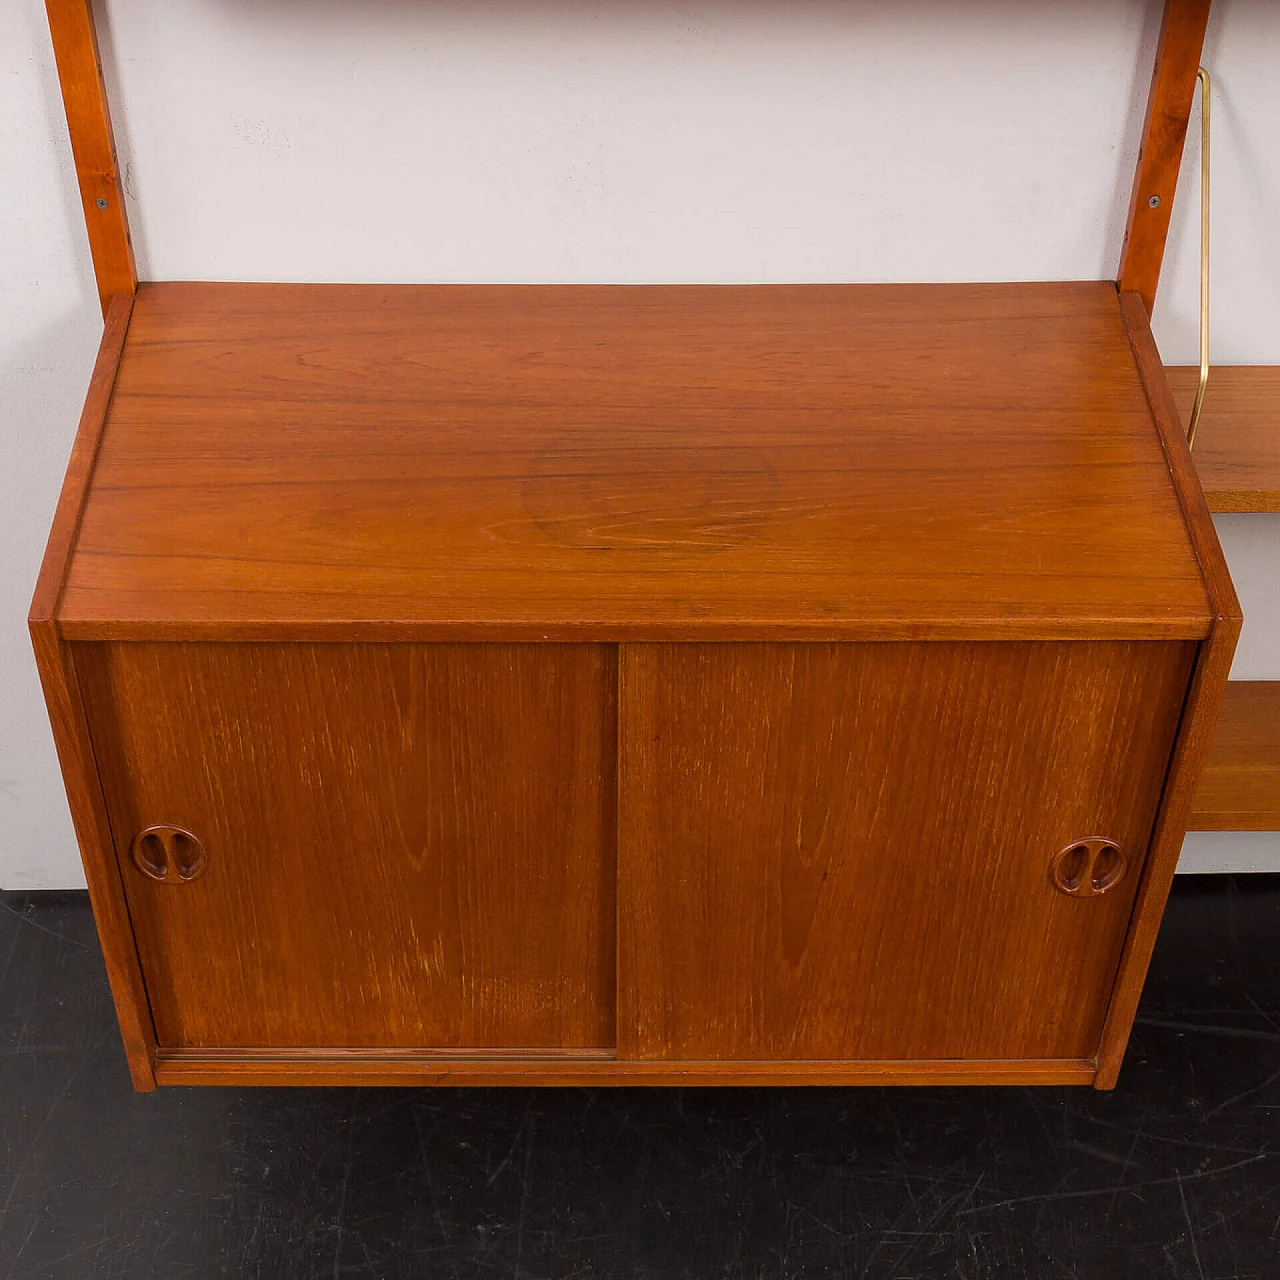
168, 854
1088, 868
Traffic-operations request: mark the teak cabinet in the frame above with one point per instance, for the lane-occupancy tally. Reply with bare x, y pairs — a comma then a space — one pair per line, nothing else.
631, 684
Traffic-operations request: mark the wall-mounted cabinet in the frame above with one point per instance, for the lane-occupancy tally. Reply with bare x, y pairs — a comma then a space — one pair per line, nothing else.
630, 684
636, 683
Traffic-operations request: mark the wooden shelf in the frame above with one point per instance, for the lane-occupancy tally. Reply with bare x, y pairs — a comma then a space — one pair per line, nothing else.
1237, 448
1237, 453
1240, 787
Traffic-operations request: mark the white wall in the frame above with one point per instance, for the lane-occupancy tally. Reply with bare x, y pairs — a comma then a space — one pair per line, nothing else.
49, 330
637, 140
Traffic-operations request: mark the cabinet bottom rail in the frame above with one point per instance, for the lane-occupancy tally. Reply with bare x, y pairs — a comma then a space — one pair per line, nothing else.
592, 1067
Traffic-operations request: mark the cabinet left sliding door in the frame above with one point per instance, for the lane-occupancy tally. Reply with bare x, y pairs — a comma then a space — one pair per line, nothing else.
364, 845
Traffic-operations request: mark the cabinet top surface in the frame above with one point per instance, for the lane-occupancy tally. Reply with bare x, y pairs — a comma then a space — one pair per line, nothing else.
613, 462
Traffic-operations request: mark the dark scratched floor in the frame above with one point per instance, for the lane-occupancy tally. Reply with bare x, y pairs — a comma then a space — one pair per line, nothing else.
1175, 1174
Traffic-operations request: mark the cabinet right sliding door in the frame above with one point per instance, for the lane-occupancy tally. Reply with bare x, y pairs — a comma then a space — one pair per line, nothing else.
897, 851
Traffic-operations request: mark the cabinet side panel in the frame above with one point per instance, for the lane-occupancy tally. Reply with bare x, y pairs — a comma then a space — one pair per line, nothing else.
1204, 702
844, 851
97, 852
56, 665
398, 845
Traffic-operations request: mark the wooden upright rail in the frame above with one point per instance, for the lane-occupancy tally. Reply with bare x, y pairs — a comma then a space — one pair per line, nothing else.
75, 47
1173, 87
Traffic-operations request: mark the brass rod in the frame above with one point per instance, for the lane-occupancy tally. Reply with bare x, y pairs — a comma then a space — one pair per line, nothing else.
1203, 76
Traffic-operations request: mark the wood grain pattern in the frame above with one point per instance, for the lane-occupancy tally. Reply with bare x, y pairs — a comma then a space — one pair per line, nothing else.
75, 48
196, 1068
843, 851
610, 463
1164, 133
1237, 453
1204, 699
70, 734
1239, 789
407, 845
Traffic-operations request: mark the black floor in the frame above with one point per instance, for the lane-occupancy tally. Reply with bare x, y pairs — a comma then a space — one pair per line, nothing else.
1175, 1174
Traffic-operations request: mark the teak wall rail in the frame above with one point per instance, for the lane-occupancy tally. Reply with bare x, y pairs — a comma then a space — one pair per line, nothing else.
75, 43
